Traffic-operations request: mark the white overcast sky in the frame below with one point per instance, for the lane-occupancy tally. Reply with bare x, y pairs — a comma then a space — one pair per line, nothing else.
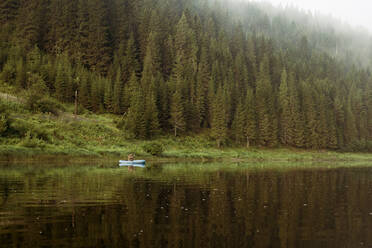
355, 12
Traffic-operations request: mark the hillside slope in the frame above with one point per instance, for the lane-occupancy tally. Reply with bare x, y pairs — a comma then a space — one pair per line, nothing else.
186, 66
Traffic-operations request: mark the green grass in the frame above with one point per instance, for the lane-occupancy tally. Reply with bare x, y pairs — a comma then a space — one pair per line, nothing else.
36, 136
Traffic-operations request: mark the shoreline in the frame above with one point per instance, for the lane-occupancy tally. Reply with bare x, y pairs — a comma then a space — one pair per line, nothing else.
233, 155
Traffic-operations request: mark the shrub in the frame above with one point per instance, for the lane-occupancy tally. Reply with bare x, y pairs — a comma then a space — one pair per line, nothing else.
49, 105
358, 146
154, 148
369, 146
32, 142
3, 123
20, 128
31, 100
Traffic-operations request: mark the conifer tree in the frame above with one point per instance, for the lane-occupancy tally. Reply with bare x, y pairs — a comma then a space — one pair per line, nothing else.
129, 88
251, 121
164, 106
130, 63
20, 80
152, 63
97, 94
62, 83
252, 60
263, 103
369, 109
240, 123
350, 127
177, 113
33, 60
85, 90
311, 135
151, 116
339, 119
61, 27
219, 122
135, 119
332, 142
8, 10
99, 50
82, 53
122, 14
118, 93
285, 114
203, 79
296, 128
109, 98
322, 128
29, 23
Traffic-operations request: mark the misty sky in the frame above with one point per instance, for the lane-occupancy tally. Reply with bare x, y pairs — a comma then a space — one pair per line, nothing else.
355, 12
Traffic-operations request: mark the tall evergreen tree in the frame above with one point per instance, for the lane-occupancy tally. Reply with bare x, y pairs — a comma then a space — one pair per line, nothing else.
264, 105
63, 83
135, 119
177, 113
130, 63
309, 116
118, 92
203, 79
109, 98
8, 10
219, 122
240, 123
84, 89
251, 121
29, 23
285, 113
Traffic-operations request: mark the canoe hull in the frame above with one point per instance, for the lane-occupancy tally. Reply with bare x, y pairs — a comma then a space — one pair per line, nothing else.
132, 165
132, 162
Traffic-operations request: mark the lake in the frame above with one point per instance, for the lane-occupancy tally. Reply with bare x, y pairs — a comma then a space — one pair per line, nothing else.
185, 205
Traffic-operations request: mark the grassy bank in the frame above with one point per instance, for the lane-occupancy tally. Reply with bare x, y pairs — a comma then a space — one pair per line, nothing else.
40, 136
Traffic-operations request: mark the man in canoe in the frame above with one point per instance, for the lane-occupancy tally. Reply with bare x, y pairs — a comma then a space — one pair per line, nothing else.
131, 158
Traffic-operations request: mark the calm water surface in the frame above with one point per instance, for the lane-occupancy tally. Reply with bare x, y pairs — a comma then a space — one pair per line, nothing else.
193, 205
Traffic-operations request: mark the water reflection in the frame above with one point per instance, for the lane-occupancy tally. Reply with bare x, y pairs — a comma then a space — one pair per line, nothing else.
175, 207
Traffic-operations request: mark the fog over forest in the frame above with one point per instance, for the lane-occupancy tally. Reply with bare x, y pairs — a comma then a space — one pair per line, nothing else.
355, 13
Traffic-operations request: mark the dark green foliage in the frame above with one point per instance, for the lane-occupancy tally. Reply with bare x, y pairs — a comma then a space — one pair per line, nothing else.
151, 116
187, 67
117, 93
31, 141
4, 119
20, 128
30, 23
177, 113
8, 10
240, 123
265, 107
49, 105
219, 120
251, 123
154, 148
135, 120
3, 123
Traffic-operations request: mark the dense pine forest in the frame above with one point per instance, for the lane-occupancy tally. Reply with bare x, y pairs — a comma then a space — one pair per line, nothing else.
182, 67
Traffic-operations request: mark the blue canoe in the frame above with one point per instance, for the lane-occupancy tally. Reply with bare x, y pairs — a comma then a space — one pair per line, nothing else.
132, 165
132, 162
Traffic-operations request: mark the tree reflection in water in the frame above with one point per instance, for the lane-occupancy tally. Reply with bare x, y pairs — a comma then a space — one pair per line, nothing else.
168, 208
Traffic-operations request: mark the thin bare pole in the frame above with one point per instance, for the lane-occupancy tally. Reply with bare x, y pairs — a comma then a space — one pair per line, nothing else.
76, 103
